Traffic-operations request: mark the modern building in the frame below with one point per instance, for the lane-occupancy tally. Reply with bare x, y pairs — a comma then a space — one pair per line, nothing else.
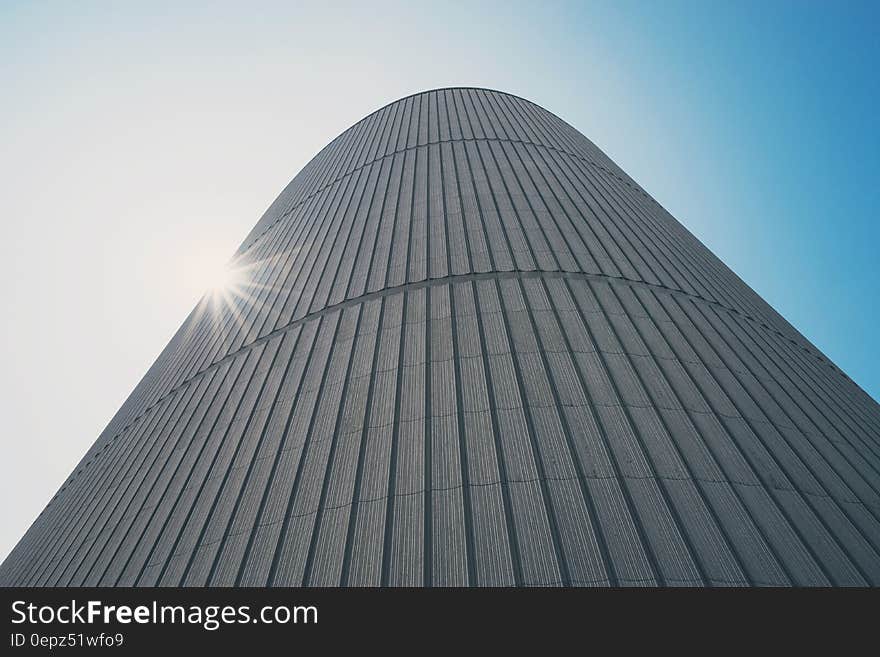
465, 348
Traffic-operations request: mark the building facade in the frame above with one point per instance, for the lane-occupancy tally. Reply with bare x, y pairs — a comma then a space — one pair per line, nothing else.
466, 348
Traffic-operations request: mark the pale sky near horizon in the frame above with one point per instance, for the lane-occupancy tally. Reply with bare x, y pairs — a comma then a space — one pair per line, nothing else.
142, 141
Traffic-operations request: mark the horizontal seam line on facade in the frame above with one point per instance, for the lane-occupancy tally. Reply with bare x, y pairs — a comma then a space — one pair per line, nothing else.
533, 480
287, 213
570, 479
437, 90
398, 289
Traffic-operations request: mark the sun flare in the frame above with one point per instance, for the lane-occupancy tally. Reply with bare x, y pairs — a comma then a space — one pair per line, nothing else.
229, 292
225, 278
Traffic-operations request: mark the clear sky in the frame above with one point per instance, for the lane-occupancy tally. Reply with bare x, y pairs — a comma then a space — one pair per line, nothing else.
140, 143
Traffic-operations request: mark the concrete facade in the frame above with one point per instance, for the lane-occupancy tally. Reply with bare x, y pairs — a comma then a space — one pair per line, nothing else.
470, 350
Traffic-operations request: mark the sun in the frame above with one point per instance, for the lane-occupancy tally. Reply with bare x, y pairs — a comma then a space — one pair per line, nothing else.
228, 292
225, 279
227, 286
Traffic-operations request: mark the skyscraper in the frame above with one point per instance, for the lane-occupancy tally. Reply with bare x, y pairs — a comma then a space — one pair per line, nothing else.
463, 347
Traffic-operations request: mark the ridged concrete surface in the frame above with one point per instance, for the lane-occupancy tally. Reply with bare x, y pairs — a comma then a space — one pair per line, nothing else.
472, 351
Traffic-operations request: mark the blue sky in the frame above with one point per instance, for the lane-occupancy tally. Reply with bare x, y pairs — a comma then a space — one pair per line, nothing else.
141, 141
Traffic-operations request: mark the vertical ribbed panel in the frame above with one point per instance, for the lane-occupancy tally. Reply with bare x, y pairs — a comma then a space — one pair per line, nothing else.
471, 351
